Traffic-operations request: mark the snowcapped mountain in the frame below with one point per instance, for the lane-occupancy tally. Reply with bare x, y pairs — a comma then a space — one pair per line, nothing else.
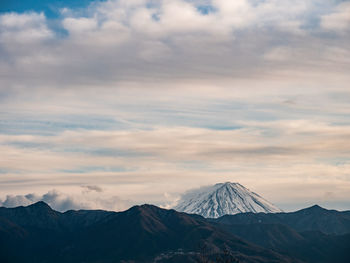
224, 199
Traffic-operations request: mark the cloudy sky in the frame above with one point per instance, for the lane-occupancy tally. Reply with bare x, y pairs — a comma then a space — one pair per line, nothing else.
106, 104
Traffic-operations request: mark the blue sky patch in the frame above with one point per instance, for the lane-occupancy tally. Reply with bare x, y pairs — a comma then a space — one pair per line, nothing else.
49, 7
206, 9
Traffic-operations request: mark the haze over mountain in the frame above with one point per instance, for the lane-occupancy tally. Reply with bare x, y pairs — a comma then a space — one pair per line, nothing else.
224, 199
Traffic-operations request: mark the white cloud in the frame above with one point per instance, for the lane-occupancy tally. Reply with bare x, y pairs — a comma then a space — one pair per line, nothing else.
24, 28
339, 19
62, 202
79, 25
115, 41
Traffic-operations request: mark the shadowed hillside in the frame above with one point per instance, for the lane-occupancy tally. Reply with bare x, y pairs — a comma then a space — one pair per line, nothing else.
147, 233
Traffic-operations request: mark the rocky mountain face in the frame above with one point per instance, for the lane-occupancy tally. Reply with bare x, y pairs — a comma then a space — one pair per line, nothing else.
224, 199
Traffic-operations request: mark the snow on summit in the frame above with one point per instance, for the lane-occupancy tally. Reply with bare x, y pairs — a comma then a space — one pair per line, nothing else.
224, 199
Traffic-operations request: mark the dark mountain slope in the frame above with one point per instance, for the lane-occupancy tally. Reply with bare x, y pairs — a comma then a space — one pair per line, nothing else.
143, 232
311, 246
274, 236
36, 215
39, 234
83, 218
42, 215
314, 218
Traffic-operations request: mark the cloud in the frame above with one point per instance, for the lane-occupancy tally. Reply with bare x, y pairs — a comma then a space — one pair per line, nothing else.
140, 164
339, 19
95, 188
18, 200
115, 41
63, 202
28, 28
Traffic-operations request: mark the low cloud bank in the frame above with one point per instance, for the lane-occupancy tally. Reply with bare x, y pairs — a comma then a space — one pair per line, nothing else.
62, 202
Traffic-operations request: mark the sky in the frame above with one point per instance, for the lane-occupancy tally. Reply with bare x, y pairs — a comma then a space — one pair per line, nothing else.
107, 104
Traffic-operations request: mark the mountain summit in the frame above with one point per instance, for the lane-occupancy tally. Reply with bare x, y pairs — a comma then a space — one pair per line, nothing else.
224, 199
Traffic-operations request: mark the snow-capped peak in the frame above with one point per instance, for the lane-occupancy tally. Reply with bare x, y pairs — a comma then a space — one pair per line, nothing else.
224, 199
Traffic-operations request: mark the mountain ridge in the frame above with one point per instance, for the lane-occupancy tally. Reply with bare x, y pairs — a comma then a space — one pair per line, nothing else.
138, 234
313, 218
146, 232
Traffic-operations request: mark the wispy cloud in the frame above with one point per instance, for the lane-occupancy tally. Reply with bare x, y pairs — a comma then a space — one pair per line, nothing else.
274, 152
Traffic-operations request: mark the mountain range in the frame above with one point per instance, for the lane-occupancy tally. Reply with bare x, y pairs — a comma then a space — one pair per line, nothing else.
147, 233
